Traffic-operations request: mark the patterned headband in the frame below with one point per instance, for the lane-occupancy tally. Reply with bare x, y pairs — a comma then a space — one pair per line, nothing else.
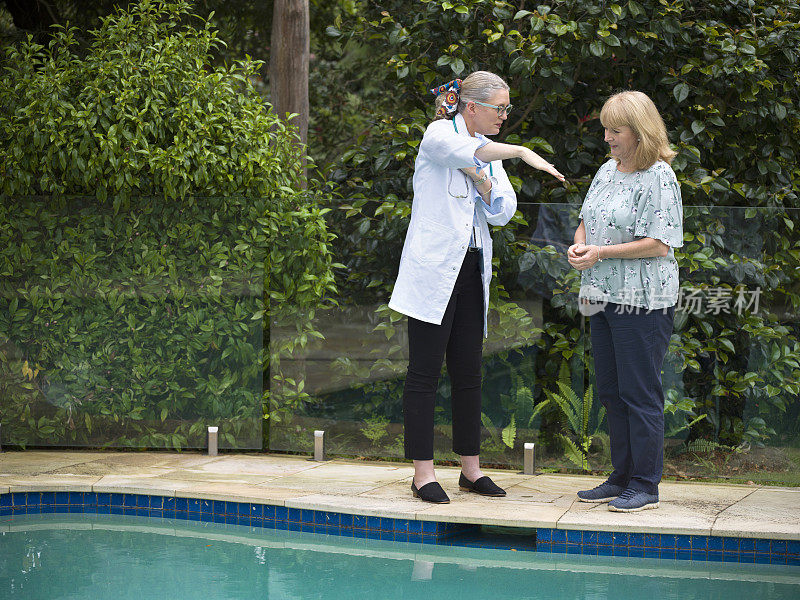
449, 106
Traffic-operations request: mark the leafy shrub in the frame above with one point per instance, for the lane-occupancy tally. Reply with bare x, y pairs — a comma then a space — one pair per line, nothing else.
150, 224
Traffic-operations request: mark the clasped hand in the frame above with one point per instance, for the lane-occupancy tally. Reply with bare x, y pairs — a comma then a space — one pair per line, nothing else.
583, 257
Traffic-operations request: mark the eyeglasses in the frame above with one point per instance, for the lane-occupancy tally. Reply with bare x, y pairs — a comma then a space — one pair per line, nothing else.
500, 109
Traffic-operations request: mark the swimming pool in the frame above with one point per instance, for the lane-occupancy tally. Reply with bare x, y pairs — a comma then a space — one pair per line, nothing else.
65, 556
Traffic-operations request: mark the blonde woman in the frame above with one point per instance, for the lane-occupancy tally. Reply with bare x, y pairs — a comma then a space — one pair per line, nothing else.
460, 187
631, 220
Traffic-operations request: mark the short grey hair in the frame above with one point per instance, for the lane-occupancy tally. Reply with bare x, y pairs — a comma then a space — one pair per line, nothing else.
476, 87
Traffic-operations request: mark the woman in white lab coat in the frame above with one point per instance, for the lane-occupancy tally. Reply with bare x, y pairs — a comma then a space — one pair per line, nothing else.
460, 187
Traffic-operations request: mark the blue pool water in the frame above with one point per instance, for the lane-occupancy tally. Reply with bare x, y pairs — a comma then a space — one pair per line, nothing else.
53, 557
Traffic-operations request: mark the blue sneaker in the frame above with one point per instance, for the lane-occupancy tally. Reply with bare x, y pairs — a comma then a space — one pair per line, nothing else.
633, 501
602, 493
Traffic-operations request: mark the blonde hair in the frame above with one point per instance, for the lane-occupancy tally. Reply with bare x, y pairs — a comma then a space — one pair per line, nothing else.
477, 86
637, 111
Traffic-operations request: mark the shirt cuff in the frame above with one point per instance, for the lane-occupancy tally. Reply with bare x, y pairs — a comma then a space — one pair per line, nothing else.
495, 206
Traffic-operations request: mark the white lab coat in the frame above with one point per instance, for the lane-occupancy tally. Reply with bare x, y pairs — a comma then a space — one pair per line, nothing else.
441, 224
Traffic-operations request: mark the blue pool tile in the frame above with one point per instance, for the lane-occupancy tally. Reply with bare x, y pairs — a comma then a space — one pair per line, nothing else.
193, 516
400, 536
651, 552
762, 546
129, 500
294, 525
716, 543
103, 499
168, 502
232, 519
605, 551
256, 511
320, 517
61, 508
359, 521
652, 540
157, 502
636, 551
33, 498
730, 557
245, 509
715, 556
281, 525
33, 509
49, 508
636, 540
590, 549
281, 513
574, 548
114, 510
193, 505
62, 497
574, 537
429, 539
142, 512
218, 507
699, 542
155, 512
77, 508
114, 499
256, 522
605, 538
217, 518
18, 510
334, 518
374, 523
19, 499
793, 547
747, 545
777, 559
425, 527
359, 533
699, 555
667, 554
295, 515
683, 554
762, 558
620, 550
179, 503
5, 500
778, 547
206, 517
793, 559
730, 544
558, 536
268, 511
386, 535
176, 514
402, 525
620, 539
207, 506
307, 515
668, 541
142, 501
544, 534
76, 498
590, 537
387, 524
747, 557
557, 548
90, 498
683, 542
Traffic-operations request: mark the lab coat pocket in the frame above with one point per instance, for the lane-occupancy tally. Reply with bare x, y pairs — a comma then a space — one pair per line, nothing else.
431, 241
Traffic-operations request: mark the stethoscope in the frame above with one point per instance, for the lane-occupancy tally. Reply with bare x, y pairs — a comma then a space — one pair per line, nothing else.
450, 180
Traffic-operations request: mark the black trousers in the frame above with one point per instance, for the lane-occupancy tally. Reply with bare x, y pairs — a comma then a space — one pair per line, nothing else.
629, 349
460, 339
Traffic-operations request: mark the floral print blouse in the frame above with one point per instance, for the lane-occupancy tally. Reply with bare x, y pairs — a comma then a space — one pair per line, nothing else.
623, 207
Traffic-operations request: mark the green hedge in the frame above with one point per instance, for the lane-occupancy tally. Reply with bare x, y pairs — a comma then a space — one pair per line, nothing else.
150, 220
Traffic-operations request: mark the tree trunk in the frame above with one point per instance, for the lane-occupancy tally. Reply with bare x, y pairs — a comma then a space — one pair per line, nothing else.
288, 61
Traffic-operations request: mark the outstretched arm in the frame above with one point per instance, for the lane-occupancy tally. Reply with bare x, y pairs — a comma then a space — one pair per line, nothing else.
497, 151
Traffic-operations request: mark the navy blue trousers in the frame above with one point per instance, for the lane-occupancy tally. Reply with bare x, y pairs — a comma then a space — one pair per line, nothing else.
629, 348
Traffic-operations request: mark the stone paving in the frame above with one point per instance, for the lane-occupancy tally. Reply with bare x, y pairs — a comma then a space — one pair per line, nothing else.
383, 489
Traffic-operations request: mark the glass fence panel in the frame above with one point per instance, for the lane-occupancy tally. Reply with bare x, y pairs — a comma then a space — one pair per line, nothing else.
730, 376
130, 324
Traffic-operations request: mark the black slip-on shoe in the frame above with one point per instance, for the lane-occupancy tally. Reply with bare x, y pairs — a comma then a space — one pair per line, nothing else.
483, 486
430, 492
